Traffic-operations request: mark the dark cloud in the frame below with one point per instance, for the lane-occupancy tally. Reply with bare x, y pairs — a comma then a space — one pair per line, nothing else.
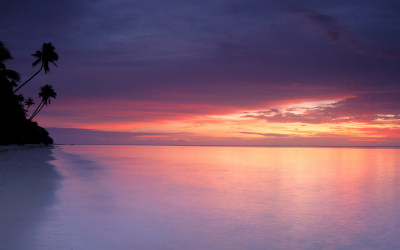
328, 23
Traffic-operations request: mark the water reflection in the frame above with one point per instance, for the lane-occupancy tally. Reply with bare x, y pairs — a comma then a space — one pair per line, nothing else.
145, 197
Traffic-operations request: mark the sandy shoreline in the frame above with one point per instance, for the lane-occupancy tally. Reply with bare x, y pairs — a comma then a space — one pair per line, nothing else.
27, 188
4, 148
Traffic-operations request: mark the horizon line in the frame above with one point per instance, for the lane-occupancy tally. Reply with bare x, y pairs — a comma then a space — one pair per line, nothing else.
227, 145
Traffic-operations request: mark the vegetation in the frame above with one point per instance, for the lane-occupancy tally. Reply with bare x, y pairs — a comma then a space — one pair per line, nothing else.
44, 57
16, 127
46, 93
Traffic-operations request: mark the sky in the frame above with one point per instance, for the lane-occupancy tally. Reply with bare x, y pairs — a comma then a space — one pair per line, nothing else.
222, 72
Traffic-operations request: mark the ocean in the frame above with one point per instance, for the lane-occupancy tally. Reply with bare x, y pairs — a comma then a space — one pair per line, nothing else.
189, 197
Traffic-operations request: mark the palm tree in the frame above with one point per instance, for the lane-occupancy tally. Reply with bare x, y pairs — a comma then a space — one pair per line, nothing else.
46, 93
44, 57
28, 103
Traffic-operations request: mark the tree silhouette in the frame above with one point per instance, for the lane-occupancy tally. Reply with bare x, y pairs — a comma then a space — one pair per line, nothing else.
4, 55
28, 103
15, 127
46, 93
20, 99
6, 75
44, 57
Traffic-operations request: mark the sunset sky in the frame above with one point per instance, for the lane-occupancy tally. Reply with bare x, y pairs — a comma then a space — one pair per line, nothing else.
222, 72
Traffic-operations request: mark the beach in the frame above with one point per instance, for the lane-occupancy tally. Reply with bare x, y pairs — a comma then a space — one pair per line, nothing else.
165, 197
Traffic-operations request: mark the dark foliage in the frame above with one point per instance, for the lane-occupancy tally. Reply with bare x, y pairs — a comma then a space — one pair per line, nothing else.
15, 128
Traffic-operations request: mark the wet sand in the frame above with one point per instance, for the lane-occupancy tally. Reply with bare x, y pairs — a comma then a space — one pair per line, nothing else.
28, 183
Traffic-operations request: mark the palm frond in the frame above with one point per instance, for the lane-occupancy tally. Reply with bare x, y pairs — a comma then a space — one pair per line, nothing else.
36, 62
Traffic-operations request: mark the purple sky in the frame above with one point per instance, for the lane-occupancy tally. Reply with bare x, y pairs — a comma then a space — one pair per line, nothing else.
136, 62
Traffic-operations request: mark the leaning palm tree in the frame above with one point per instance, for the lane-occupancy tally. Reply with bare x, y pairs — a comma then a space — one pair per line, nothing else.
46, 93
44, 57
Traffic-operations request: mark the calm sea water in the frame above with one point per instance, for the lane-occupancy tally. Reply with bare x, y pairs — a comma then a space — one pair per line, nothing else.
160, 197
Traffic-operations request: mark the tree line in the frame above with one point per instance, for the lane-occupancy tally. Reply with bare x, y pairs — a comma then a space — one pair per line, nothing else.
18, 122
43, 57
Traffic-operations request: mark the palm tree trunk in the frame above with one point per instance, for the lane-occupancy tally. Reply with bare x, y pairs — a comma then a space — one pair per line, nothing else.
20, 86
37, 110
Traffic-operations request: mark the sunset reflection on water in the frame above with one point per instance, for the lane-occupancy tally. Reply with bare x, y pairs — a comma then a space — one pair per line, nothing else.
157, 197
